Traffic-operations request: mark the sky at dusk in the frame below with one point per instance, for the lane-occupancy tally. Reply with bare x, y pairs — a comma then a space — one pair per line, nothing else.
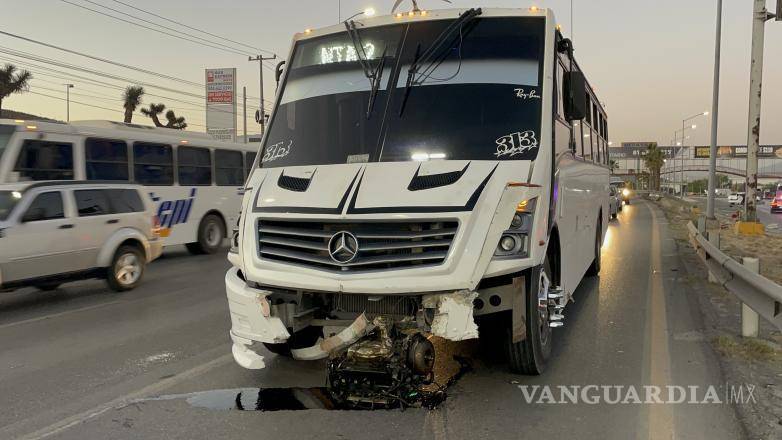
649, 61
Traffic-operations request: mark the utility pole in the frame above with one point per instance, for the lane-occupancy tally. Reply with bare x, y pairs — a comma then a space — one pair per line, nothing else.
759, 17
261, 59
715, 103
68, 88
244, 119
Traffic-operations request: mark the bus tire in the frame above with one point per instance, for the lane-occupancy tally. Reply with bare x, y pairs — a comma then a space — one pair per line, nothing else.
126, 270
531, 355
211, 233
594, 268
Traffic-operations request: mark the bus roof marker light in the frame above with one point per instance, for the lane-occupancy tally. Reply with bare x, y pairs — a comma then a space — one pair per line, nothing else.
420, 157
308, 31
184, 141
19, 121
411, 14
534, 9
32, 127
369, 12
398, 15
424, 13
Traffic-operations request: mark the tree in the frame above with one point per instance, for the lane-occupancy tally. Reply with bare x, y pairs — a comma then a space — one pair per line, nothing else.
13, 81
613, 165
132, 99
654, 161
175, 122
153, 112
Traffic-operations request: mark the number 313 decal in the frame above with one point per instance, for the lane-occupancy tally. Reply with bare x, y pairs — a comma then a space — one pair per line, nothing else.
516, 143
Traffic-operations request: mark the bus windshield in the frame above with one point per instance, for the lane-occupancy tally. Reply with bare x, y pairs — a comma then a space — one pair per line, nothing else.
8, 199
477, 98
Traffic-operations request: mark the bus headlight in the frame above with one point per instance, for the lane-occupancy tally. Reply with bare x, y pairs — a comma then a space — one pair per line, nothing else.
514, 242
626, 192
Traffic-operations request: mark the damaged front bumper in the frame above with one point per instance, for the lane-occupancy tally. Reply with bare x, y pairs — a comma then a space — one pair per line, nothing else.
255, 320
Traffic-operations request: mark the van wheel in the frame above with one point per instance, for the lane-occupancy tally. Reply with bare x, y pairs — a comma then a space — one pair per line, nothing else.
594, 268
211, 232
47, 287
126, 270
301, 339
531, 355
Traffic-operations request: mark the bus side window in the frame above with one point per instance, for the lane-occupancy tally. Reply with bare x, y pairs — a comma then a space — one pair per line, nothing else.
229, 169
106, 159
41, 160
153, 164
249, 158
194, 165
579, 138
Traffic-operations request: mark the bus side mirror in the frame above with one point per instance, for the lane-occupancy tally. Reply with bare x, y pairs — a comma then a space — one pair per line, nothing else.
278, 72
575, 96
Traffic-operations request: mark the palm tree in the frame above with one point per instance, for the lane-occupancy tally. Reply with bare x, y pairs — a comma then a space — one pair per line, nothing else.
13, 81
175, 122
613, 165
654, 161
132, 99
153, 112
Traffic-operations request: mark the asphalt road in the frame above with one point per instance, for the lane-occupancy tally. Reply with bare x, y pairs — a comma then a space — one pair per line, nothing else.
84, 363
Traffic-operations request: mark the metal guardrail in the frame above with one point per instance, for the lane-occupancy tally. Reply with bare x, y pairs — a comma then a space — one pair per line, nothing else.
759, 293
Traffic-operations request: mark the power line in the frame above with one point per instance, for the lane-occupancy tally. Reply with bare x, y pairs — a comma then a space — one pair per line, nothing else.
38, 58
103, 60
192, 28
224, 49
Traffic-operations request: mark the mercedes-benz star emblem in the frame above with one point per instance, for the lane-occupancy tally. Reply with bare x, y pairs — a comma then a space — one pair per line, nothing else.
343, 247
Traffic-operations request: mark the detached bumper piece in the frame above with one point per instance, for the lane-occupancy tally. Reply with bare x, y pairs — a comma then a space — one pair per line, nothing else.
250, 321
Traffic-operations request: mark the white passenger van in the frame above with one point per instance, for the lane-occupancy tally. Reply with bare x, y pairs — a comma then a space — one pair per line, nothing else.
192, 178
60, 231
429, 168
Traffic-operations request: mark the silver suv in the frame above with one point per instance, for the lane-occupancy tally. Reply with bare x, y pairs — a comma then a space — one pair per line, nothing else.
54, 232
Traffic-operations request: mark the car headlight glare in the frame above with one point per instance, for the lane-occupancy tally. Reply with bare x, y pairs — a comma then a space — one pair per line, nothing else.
625, 192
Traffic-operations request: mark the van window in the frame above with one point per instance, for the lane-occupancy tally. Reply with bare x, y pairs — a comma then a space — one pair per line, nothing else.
194, 165
41, 160
229, 170
92, 202
125, 200
8, 200
153, 164
106, 159
46, 206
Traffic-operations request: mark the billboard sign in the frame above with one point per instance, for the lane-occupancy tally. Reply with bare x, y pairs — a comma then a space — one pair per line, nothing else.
739, 151
221, 104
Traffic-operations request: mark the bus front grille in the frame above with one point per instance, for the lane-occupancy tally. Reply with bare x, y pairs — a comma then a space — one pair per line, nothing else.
368, 246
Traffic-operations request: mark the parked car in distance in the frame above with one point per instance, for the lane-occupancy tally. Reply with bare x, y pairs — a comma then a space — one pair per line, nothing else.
614, 203
55, 232
736, 198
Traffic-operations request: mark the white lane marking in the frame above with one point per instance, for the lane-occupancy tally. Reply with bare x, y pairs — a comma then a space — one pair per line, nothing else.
77, 419
57, 315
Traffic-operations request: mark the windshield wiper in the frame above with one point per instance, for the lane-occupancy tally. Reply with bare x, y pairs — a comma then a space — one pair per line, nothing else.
374, 75
429, 56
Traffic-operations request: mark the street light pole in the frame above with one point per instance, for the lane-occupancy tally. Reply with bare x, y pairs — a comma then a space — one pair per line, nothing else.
684, 121
715, 103
68, 88
262, 111
759, 17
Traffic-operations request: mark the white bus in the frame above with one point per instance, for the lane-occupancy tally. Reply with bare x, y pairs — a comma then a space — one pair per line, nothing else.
428, 167
193, 179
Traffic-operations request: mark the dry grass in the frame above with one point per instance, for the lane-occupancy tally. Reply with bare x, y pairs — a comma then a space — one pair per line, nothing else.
747, 348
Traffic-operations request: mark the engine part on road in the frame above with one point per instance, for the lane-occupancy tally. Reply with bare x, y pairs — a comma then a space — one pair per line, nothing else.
343, 339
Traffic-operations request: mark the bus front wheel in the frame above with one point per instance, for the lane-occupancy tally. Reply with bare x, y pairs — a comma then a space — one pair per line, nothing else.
531, 355
211, 233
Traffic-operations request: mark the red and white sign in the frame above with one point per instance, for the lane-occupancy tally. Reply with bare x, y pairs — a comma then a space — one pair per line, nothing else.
221, 103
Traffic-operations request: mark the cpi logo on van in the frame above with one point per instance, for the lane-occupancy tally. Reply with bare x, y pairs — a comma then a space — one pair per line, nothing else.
173, 212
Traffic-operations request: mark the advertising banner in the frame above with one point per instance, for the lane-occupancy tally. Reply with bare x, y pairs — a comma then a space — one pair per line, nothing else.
221, 104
